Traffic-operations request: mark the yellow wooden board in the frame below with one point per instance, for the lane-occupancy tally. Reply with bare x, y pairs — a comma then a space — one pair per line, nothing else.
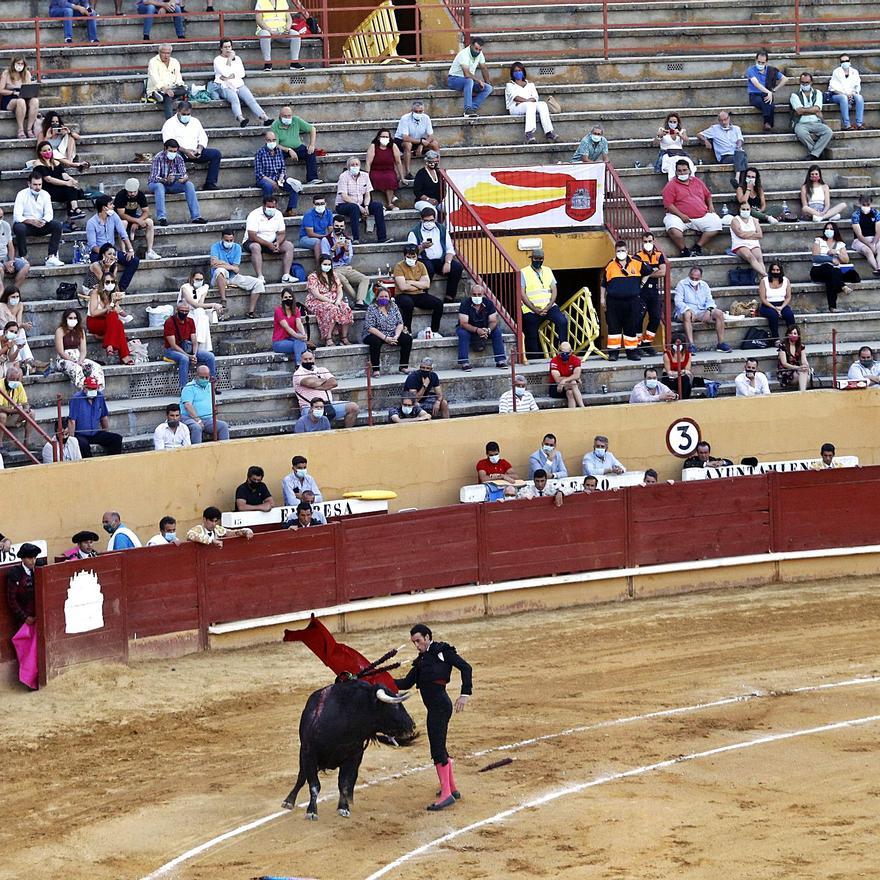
372, 495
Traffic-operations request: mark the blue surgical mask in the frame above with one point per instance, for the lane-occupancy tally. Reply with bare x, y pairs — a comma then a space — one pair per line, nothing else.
301, 473
547, 449
806, 87
651, 384
228, 245
12, 383
406, 410
518, 75
269, 212
185, 119
169, 536
599, 451
519, 391
494, 458
271, 144
202, 383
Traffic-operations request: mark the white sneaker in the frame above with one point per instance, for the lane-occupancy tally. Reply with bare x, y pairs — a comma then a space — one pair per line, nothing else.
152, 255
54, 262
127, 319
288, 279
294, 184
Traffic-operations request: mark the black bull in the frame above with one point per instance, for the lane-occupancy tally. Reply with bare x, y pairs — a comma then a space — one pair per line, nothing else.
335, 728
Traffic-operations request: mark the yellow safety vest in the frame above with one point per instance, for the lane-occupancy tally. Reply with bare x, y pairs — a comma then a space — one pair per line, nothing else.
537, 287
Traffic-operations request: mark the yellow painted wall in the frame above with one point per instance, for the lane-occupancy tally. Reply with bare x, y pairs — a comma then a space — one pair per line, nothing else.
440, 37
424, 463
577, 250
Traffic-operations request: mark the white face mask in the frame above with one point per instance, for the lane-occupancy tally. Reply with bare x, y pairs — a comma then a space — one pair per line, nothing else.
384, 141
595, 138
621, 255
745, 214
672, 125
651, 384
19, 67
410, 261
429, 226
269, 212
91, 393
751, 181
319, 209
286, 120
406, 410
829, 233
477, 300
11, 334
494, 458
519, 390
72, 322
683, 177
326, 267
271, 144
648, 246
14, 300
761, 65
599, 451
845, 65
228, 245
354, 170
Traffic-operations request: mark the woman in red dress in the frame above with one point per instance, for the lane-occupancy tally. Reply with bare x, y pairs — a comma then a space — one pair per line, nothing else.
384, 166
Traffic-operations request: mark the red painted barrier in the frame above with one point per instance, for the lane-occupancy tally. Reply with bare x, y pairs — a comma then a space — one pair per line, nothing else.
8, 627
165, 590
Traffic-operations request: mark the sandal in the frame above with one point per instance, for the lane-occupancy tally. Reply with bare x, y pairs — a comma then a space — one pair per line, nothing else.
21, 135
128, 361
345, 342
403, 369
251, 314
375, 373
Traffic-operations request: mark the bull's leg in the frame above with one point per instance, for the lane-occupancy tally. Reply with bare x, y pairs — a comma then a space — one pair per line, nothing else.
348, 774
290, 801
314, 791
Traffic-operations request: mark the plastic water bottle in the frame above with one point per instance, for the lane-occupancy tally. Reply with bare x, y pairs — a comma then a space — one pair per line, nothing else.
724, 210
77, 253
84, 252
784, 207
101, 186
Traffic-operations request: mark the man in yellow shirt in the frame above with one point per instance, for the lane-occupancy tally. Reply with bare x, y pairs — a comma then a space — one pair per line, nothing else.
539, 304
164, 80
12, 387
274, 20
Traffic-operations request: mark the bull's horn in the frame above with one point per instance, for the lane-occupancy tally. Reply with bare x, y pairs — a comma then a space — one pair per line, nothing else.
383, 696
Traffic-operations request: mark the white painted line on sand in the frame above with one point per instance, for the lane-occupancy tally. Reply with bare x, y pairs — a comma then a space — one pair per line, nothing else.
614, 777
165, 869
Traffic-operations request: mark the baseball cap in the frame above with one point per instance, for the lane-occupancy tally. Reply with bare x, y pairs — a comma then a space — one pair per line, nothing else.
90, 382
132, 184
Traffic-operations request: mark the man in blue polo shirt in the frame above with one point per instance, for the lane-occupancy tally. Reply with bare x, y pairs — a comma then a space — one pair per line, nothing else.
104, 228
225, 265
195, 402
89, 419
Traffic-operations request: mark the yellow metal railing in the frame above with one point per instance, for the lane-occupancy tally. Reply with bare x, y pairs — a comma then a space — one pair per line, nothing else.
583, 327
375, 39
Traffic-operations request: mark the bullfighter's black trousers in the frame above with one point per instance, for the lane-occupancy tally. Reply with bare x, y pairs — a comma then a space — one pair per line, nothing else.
439, 708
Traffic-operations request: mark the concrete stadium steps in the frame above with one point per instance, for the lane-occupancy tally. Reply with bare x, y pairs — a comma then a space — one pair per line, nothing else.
37, 8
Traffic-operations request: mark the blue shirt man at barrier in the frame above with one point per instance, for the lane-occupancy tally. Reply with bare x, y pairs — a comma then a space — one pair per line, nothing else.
195, 401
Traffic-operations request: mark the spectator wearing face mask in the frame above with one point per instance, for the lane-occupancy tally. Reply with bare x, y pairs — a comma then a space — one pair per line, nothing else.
168, 175
338, 246
672, 139
69, 450
415, 136
354, 201
189, 133
11, 385
132, 209
384, 166
763, 80
676, 364
383, 325
194, 293
167, 533
525, 400
495, 469
408, 411
651, 390
253, 493
462, 76
182, 344
270, 174
425, 386
289, 130
775, 294
313, 419
299, 481
750, 191
436, 250
694, 302
791, 360
866, 368
266, 233
172, 433
565, 376
650, 256
288, 334
726, 140
89, 420
688, 205
477, 327
12, 309
198, 414
866, 235
11, 264
832, 266
745, 240
810, 128
316, 224
521, 99
275, 21
548, 459
751, 382
311, 380
620, 297
429, 189
600, 461
105, 227
593, 146
411, 283
225, 271
105, 318
229, 74
846, 91
539, 304
326, 302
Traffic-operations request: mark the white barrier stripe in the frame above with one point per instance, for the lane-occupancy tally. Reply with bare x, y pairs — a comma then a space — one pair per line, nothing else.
599, 725
614, 777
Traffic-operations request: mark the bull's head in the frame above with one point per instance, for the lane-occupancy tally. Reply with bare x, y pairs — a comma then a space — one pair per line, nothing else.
396, 726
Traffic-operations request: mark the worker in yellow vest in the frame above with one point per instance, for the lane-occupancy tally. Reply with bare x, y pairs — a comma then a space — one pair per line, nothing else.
539, 304
621, 298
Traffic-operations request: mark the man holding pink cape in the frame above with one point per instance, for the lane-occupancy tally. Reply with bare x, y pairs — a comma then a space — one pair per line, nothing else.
21, 598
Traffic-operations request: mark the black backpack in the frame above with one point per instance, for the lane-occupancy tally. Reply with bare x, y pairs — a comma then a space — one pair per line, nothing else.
756, 338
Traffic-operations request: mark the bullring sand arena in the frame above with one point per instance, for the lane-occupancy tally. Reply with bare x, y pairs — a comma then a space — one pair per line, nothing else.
760, 707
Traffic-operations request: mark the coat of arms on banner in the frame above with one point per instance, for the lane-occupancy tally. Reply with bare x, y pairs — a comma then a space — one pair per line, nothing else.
84, 607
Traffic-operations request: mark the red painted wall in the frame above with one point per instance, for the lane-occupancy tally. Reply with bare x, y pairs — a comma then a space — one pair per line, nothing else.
168, 589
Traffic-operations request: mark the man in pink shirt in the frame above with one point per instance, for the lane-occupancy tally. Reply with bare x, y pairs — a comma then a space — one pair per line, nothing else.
688, 205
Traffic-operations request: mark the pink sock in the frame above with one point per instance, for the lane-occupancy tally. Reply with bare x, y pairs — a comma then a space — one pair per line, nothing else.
443, 771
452, 785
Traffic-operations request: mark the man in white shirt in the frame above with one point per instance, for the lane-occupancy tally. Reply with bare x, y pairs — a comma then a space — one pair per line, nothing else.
525, 400
32, 214
751, 382
415, 135
13, 264
436, 251
846, 91
461, 76
265, 231
172, 433
601, 461
167, 533
164, 80
70, 450
865, 368
184, 128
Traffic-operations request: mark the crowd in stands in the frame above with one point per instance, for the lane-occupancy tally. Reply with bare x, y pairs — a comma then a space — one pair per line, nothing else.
366, 191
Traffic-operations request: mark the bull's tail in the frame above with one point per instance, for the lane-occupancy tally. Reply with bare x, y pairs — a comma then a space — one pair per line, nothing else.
290, 800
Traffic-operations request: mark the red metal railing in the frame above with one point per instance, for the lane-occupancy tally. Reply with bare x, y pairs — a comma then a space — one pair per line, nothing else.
625, 222
484, 259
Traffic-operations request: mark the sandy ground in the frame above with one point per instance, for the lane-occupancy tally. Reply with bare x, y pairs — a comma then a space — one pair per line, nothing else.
111, 772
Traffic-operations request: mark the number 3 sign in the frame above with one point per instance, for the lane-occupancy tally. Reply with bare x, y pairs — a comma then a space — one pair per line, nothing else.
682, 437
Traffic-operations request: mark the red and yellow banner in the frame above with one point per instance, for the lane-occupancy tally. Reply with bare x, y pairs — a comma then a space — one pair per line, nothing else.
542, 197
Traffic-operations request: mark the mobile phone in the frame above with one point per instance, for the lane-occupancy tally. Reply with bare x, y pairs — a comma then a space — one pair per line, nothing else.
429, 241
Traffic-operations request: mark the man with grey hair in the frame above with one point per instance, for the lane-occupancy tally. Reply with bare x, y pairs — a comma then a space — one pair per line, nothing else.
726, 140
354, 200
600, 461
593, 146
121, 537
414, 135
525, 400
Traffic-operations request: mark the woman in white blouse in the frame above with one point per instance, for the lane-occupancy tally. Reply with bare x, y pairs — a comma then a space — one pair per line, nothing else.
831, 265
846, 92
521, 98
195, 293
229, 74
